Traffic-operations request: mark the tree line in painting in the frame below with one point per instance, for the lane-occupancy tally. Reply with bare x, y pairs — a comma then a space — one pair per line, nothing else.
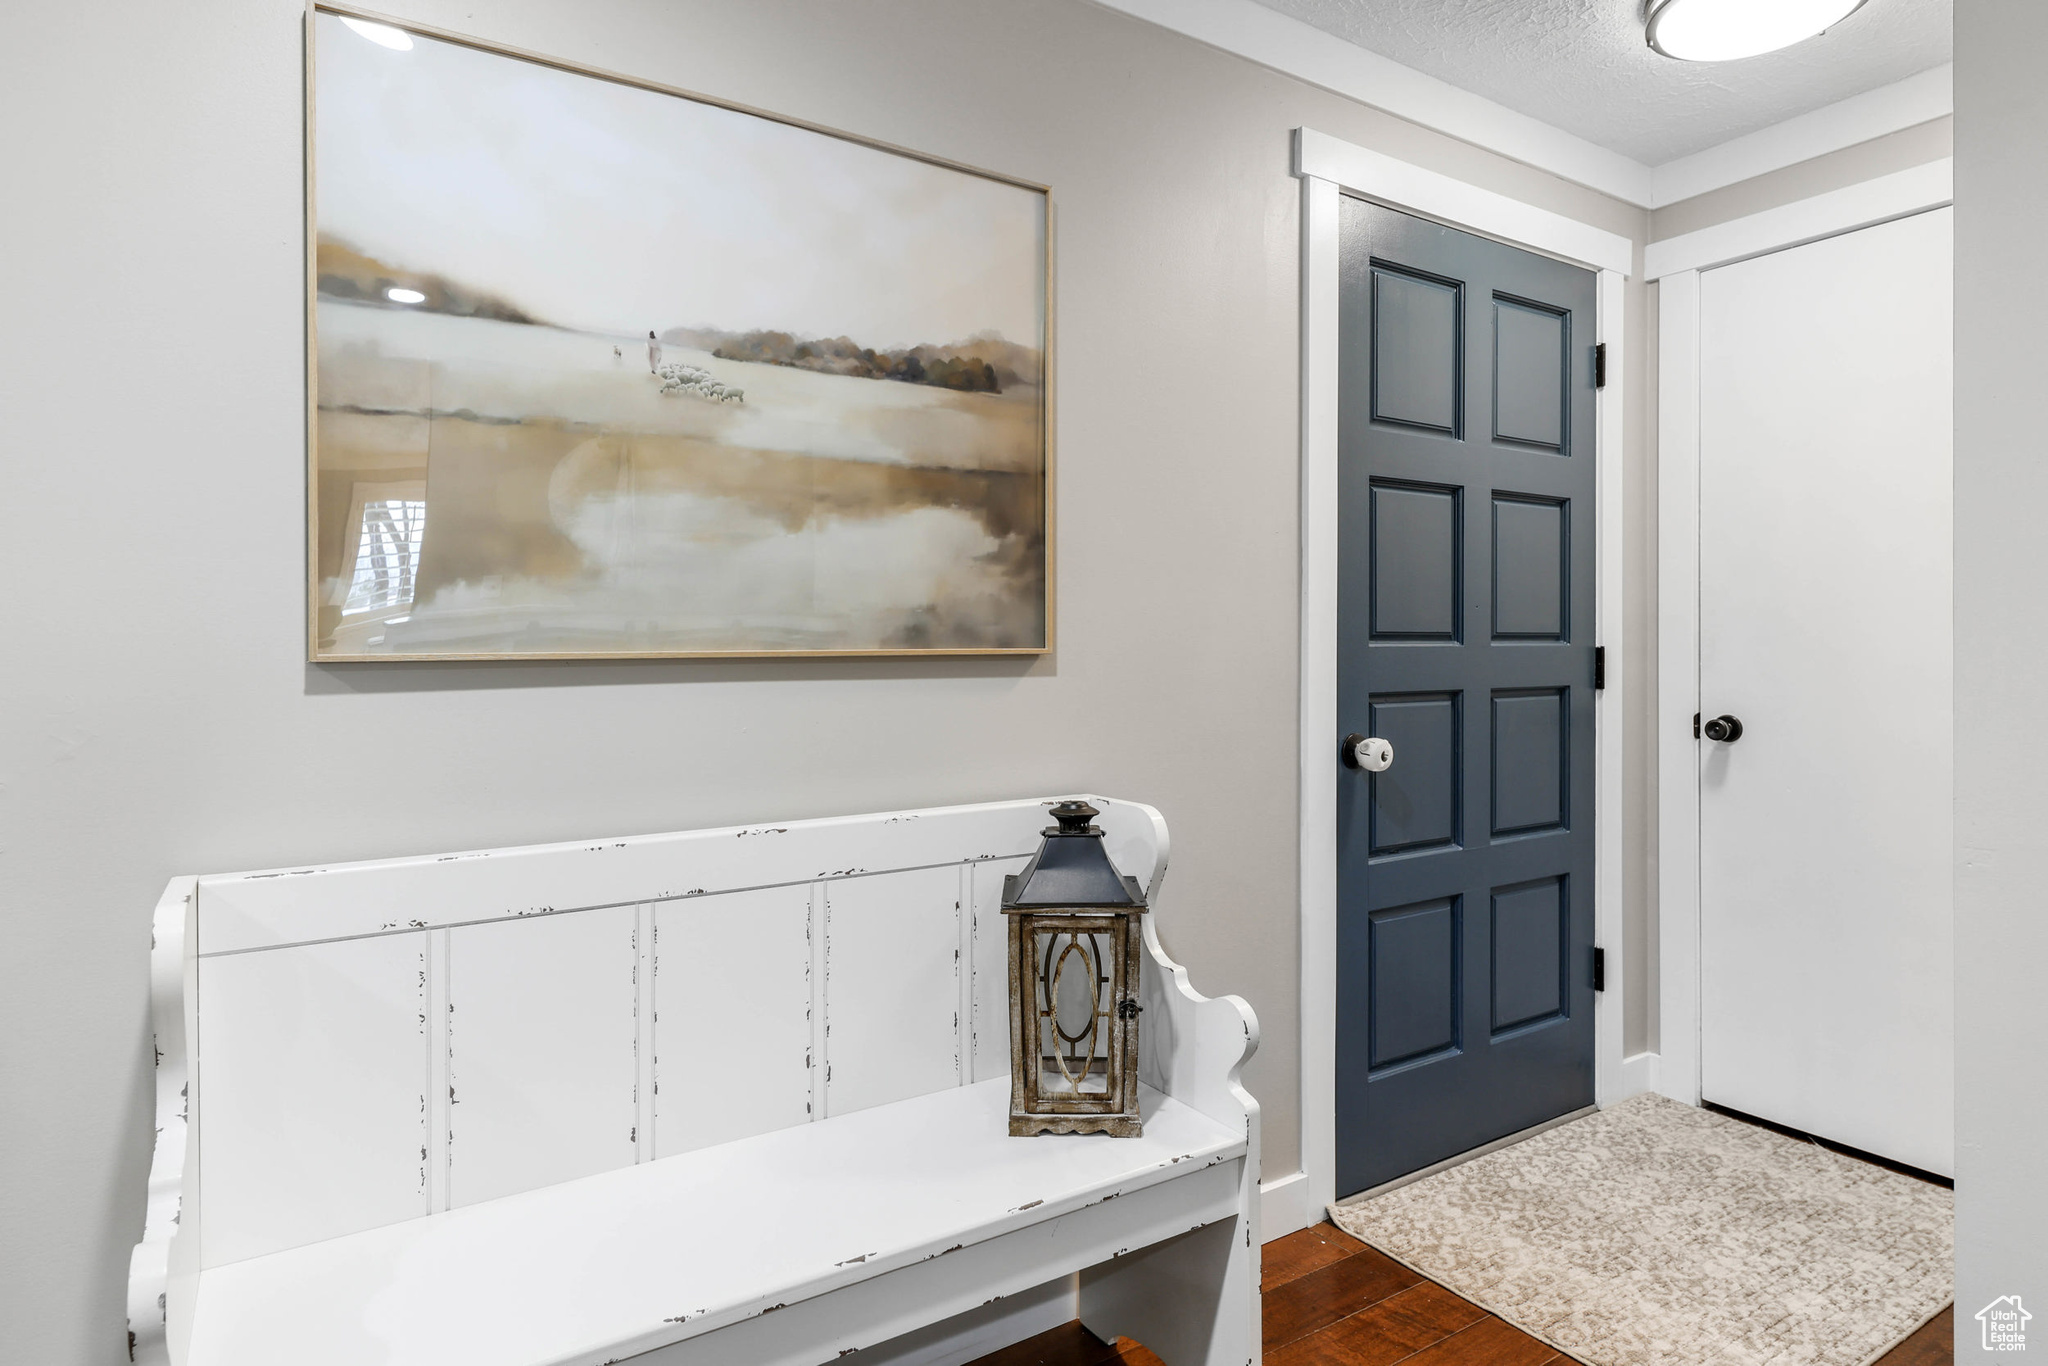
986, 365
345, 273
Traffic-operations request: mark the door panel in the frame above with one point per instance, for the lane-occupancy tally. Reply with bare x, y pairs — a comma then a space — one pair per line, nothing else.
1825, 627
1417, 807
1414, 981
1531, 569
1465, 603
1417, 324
1417, 562
1531, 761
1531, 374
1531, 953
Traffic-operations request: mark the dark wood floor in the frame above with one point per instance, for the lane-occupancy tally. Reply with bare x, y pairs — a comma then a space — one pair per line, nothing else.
1333, 1301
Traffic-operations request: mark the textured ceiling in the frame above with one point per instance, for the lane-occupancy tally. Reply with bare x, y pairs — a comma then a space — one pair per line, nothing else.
1582, 65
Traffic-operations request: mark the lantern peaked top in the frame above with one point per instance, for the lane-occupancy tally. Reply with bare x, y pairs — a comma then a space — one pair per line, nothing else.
1071, 869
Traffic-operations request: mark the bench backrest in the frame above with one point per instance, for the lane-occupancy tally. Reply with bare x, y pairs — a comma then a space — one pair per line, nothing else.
384, 1040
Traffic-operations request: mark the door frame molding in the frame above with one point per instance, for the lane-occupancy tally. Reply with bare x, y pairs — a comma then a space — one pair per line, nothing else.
1675, 265
1329, 167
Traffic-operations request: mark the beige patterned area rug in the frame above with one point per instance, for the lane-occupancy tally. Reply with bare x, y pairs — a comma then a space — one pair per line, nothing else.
1655, 1234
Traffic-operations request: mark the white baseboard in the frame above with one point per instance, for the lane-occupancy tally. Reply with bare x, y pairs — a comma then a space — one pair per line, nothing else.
1284, 1207
978, 1332
1631, 1076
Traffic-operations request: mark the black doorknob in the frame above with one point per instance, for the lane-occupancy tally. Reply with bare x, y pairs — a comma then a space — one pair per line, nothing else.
1726, 729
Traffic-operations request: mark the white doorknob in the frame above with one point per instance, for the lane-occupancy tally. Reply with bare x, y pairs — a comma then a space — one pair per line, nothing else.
1368, 753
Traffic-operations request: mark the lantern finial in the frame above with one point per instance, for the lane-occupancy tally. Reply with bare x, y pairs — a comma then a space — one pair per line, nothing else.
1074, 818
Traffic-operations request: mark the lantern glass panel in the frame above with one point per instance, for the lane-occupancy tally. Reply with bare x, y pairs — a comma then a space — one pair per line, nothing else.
1075, 972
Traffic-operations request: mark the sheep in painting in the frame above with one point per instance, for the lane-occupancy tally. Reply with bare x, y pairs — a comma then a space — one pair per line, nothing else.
689, 379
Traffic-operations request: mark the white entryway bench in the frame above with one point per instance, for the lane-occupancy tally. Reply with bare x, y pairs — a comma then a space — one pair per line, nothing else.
727, 1096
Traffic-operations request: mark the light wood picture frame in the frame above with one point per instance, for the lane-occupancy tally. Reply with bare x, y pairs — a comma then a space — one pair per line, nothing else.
602, 369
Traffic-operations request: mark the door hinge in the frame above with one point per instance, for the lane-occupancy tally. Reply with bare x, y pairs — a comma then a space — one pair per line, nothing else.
1599, 969
1695, 725
1600, 366
1599, 667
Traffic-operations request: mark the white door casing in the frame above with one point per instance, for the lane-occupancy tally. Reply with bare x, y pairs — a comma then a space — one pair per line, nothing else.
1826, 994
1327, 168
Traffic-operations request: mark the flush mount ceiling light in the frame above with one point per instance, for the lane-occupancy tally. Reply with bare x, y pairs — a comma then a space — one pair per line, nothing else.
405, 296
397, 39
1722, 30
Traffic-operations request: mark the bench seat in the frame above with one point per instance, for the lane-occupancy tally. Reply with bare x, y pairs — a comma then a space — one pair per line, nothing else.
627, 1261
712, 1098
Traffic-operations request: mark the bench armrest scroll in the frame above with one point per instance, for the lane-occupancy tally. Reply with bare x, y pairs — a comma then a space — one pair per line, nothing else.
163, 1268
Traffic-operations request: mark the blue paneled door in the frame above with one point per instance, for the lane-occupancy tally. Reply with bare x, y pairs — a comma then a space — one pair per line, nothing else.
1465, 606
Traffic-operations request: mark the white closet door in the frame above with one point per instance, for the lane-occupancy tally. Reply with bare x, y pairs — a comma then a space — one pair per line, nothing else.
1825, 629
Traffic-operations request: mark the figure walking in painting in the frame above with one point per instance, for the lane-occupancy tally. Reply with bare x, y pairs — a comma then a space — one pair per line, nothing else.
653, 355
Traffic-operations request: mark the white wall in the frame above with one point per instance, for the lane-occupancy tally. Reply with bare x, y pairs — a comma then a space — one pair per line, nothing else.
158, 715
2001, 660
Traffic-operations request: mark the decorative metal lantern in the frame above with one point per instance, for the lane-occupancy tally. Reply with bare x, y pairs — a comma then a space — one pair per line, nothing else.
1073, 985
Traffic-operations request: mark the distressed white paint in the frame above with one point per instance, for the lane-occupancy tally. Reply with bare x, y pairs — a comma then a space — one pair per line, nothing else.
963, 972
542, 1064
1328, 167
732, 1006
1215, 1320
163, 1269
379, 896
439, 1109
553, 988
981, 1330
644, 1008
892, 995
666, 1251
991, 965
1911, 191
895, 1305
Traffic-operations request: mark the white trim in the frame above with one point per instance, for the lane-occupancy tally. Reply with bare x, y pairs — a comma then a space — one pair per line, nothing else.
1293, 48
1327, 167
1911, 191
1433, 194
1284, 1206
1318, 833
1888, 109
1678, 686
1609, 708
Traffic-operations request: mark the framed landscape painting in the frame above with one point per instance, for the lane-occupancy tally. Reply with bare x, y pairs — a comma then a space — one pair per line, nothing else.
605, 370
